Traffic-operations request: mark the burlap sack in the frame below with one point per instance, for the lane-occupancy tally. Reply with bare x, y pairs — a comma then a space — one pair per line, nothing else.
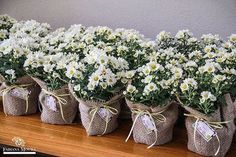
234, 101
164, 129
64, 113
125, 112
223, 114
1, 88
13, 105
93, 122
1, 85
235, 133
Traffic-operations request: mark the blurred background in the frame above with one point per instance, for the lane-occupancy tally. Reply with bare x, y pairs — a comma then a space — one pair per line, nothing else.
147, 16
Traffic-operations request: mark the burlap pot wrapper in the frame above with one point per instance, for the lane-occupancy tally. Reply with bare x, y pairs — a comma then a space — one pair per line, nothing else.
21, 98
152, 125
125, 112
211, 135
235, 132
2, 79
58, 106
234, 101
98, 118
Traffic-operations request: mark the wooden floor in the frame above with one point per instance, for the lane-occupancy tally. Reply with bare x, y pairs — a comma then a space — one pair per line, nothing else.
73, 141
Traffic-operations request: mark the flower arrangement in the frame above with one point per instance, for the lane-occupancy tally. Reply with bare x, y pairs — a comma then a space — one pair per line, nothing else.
133, 47
47, 66
183, 42
65, 41
6, 23
30, 29
50, 68
98, 63
96, 77
208, 77
210, 39
17, 88
149, 96
24, 37
153, 83
49, 71
127, 44
209, 74
97, 87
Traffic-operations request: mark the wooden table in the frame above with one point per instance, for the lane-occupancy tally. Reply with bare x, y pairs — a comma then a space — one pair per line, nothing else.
71, 140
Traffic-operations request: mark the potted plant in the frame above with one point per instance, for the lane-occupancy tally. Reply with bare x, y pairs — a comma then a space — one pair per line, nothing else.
208, 78
96, 84
49, 71
230, 46
19, 91
149, 96
6, 22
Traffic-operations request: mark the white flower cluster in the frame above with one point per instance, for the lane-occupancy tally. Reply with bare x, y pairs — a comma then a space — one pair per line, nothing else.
128, 44
6, 23
24, 37
66, 41
182, 42
206, 95
100, 61
210, 39
187, 84
153, 83
209, 73
51, 68
97, 74
30, 28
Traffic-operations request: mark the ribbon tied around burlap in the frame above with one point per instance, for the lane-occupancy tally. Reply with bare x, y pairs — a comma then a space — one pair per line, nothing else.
215, 125
108, 109
159, 117
9, 88
61, 101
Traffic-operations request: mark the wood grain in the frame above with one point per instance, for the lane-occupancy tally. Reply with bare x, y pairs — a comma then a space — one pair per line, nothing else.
72, 141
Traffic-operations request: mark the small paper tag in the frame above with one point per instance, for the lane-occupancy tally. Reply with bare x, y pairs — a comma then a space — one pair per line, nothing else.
51, 103
19, 93
104, 114
148, 123
206, 131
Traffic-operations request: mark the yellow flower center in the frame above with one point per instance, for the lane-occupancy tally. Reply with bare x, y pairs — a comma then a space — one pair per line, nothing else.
96, 78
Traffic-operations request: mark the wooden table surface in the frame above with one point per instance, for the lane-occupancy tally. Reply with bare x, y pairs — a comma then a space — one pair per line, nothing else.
71, 140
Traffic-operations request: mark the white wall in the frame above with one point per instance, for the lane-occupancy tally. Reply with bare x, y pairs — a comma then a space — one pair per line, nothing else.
147, 16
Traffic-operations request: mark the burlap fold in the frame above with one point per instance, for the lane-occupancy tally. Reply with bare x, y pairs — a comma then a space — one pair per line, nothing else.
164, 129
93, 122
64, 113
2, 79
1, 88
235, 133
234, 101
13, 105
226, 113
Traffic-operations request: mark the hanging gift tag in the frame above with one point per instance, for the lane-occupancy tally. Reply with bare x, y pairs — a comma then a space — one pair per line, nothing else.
206, 131
104, 114
148, 123
51, 103
19, 93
